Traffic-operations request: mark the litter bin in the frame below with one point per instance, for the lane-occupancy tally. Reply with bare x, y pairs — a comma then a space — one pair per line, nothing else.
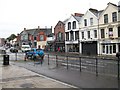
6, 59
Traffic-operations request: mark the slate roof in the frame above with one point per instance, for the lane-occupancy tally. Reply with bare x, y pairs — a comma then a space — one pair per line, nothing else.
95, 11
36, 31
78, 18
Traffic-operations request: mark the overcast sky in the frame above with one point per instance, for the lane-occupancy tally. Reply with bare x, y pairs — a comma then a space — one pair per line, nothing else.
18, 14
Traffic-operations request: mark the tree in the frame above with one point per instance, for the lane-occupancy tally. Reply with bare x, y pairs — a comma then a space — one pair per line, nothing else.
11, 37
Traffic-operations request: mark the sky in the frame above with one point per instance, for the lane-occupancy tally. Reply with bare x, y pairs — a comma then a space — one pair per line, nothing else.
15, 15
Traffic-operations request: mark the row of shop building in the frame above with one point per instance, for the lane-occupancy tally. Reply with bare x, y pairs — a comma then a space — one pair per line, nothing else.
93, 33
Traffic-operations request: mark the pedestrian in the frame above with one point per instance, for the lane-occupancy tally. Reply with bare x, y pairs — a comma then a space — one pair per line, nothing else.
58, 49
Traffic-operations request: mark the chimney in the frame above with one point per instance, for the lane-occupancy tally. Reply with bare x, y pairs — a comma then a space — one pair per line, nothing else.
38, 27
24, 29
78, 14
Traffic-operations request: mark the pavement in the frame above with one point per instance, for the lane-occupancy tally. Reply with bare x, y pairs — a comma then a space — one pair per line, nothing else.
12, 76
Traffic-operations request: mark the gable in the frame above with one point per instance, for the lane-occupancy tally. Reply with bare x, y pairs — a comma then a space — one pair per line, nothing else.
108, 10
87, 16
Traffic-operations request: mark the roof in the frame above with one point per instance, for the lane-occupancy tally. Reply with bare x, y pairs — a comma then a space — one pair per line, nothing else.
95, 11
78, 18
36, 31
112, 4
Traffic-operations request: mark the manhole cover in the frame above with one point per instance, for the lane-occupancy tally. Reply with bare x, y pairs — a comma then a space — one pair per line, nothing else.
27, 85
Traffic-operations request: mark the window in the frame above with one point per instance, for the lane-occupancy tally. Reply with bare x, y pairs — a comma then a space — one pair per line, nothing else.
69, 25
60, 36
35, 38
110, 32
91, 21
107, 50
114, 48
41, 37
82, 35
119, 8
110, 49
102, 33
71, 36
67, 36
95, 33
118, 31
106, 18
88, 34
76, 35
103, 49
74, 25
114, 16
85, 22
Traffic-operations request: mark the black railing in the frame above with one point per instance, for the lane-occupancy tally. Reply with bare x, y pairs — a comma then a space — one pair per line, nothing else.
96, 65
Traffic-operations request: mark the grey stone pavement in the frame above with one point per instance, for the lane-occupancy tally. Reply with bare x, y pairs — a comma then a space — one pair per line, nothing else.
12, 76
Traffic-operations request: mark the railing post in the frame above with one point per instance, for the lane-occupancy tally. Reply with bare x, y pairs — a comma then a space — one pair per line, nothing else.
96, 66
16, 56
80, 63
118, 68
48, 59
56, 61
67, 62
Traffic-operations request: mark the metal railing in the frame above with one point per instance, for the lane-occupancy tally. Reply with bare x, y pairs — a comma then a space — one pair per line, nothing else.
98, 66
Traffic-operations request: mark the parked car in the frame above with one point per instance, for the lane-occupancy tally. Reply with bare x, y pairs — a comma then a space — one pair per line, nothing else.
25, 48
13, 50
35, 54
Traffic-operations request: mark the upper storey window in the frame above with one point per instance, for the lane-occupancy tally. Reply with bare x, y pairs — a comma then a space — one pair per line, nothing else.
85, 22
106, 18
74, 25
91, 21
114, 16
69, 25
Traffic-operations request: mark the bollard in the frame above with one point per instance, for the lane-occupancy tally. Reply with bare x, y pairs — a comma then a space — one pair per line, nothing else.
5, 59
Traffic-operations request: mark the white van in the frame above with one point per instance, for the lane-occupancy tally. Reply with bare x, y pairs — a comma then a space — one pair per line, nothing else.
25, 48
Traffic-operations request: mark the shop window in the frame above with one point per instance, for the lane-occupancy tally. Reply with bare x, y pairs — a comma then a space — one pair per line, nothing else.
103, 49
114, 48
